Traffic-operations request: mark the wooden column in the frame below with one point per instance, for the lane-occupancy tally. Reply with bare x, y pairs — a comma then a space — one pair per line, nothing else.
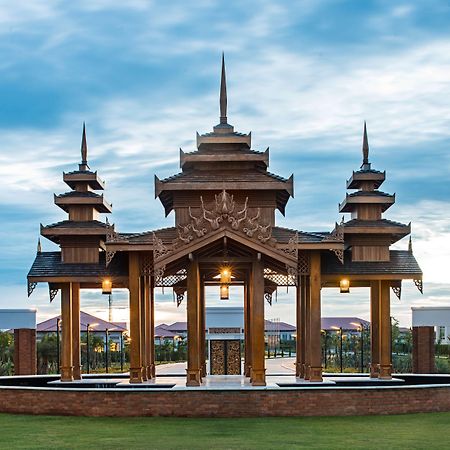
258, 371
299, 311
385, 332
202, 329
193, 325
135, 319
374, 328
151, 342
315, 371
76, 355
247, 327
145, 329
306, 293
66, 324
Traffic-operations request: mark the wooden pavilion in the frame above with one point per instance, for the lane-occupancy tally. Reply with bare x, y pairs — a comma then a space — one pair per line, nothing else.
224, 201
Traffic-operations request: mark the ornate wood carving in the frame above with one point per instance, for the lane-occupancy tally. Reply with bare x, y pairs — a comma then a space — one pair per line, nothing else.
146, 264
419, 285
109, 257
292, 274
233, 357
292, 248
303, 263
52, 291
229, 330
337, 234
159, 249
397, 288
31, 287
268, 297
217, 357
224, 211
179, 294
339, 254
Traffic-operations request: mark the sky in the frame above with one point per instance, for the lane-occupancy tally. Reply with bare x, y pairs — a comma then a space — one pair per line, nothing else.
302, 76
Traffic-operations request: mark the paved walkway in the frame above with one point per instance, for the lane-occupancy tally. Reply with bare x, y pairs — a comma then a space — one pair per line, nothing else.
273, 366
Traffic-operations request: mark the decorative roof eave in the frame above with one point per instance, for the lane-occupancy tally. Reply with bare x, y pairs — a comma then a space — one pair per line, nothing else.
333, 279
94, 281
400, 230
386, 201
223, 157
370, 175
98, 202
231, 138
92, 178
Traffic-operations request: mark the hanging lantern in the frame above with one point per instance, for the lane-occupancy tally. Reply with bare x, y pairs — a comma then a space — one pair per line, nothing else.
106, 286
224, 292
225, 275
344, 286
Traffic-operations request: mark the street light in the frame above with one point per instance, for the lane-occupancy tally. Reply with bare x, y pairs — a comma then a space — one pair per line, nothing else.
361, 330
58, 322
339, 330
106, 349
88, 346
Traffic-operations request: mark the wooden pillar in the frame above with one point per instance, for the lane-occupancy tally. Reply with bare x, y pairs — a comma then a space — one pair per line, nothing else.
76, 355
247, 328
315, 371
258, 371
202, 329
374, 328
66, 324
306, 293
385, 332
299, 342
145, 331
135, 319
193, 325
151, 342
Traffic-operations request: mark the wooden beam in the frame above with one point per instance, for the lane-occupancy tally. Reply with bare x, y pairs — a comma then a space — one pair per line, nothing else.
193, 301
374, 328
76, 354
385, 332
66, 325
258, 371
315, 371
135, 319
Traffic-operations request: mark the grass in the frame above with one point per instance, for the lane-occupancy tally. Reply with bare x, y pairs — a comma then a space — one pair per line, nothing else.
415, 431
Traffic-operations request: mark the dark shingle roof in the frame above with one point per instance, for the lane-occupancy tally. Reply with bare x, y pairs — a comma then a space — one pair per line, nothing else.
76, 224
369, 194
224, 175
83, 194
373, 223
48, 264
401, 262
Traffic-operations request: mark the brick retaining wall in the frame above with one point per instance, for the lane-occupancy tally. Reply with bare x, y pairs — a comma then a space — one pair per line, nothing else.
245, 403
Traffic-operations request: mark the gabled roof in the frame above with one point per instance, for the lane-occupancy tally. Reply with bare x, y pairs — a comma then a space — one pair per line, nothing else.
94, 323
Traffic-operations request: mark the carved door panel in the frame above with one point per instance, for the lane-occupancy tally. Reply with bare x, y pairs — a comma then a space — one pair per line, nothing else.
217, 355
233, 357
225, 357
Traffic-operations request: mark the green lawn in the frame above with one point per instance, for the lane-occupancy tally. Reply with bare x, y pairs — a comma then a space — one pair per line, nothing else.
417, 431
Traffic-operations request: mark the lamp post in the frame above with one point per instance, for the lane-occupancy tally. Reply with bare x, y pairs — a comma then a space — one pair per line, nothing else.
339, 330
325, 348
121, 351
360, 327
106, 350
87, 349
58, 321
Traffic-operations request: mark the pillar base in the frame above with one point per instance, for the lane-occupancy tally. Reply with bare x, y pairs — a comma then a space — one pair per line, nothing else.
203, 370
306, 371
67, 373
374, 370
315, 374
76, 371
299, 370
385, 372
153, 370
247, 370
148, 371
193, 377
258, 377
135, 374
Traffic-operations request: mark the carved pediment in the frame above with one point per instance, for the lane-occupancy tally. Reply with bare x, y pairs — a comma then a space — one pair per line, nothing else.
224, 212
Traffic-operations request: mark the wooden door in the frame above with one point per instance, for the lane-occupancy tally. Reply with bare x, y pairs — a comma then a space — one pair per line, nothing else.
225, 357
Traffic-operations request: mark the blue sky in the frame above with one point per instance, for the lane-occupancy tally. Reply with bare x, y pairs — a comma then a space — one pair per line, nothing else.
302, 76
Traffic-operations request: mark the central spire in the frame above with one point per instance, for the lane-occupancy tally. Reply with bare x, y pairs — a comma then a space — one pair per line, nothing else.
84, 163
365, 149
223, 94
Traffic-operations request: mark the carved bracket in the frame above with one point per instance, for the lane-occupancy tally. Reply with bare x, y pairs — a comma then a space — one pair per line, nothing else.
268, 297
337, 234
397, 289
179, 294
159, 249
292, 248
419, 285
339, 254
31, 287
292, 274
109, 257
52, 291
